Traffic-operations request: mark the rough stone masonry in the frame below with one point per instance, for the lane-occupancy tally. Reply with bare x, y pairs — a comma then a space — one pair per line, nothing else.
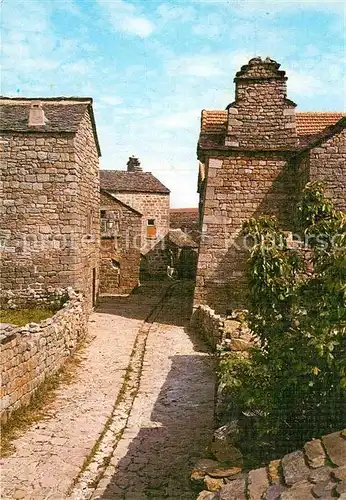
50, 213
254, 162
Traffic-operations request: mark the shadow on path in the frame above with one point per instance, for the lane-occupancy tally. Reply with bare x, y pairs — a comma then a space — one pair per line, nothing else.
172, 418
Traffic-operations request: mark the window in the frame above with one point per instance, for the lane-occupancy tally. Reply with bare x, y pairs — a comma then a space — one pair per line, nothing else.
103, 214
151, 229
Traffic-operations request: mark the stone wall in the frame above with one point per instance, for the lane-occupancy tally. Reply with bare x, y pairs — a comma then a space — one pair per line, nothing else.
261, 116
30, 354
186, 219
209, 325
120, 247
239, 185
50, 214
317, 471
87, 211
255, 168
151, 206
33, 297
327, 163
226, 333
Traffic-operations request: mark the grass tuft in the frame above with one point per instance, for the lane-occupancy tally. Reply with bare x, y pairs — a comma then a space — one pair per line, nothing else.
21, 317
38, 408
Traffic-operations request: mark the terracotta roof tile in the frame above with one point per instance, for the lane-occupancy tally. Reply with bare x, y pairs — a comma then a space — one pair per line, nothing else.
139, 182
313, 122
213, 122
309, 122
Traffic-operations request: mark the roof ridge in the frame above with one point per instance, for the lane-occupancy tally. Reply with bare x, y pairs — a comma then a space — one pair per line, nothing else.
126, 171
297, 112
58, 98
114, 197
321, 113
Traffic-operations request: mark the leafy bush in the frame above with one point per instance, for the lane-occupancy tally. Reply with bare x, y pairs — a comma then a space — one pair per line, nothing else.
295, 384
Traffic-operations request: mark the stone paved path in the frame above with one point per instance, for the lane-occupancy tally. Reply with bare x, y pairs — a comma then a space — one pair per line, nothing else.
169, 425
171, 420
50, 454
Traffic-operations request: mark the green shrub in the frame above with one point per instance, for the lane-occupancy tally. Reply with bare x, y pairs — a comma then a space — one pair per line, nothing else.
294, 385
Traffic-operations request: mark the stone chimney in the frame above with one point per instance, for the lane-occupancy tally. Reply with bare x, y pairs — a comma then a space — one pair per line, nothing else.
36, 114
261, 117
134, 165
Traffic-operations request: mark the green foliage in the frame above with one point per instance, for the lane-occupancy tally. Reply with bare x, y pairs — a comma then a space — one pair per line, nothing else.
296, 381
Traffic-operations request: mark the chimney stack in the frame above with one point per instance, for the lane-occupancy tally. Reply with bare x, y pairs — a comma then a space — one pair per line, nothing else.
261, 117
36, 114
134, 165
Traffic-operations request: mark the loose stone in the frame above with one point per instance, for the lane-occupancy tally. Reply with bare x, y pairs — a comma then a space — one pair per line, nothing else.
335, 446
235, 490
294, 468
340, 473
213, 484
314, 453
257, 483
223, 472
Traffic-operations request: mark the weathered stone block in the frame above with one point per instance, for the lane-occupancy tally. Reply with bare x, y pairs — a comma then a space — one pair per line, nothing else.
314, 453
294, 468
258, 483
335, 446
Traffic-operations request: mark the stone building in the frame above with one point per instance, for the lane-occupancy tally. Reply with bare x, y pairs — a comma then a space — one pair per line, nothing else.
50, 211
120, 252
147, 195
186, 219
181, 254
255, 156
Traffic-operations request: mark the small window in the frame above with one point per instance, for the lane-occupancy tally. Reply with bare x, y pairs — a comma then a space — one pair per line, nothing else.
151, 229
103, 214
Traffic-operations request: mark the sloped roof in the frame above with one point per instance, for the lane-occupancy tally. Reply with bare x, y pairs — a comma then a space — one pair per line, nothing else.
63, 114
139, 182
311, 122
213, 122
308, 122
181, 239
112, 198
190, 210
307, 142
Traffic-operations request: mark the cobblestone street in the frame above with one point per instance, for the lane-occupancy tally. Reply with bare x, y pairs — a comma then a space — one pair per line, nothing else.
169, 420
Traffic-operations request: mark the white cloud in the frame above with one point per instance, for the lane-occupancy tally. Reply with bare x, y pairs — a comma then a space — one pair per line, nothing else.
249, 8
304, 84
111, 100
181, 120
77, 67
169, 13
125, 18
212, 26
195, 65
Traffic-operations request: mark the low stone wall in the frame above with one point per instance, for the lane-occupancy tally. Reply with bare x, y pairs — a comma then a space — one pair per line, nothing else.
209, 325
31, 353
33, 296
227, 333
317, 471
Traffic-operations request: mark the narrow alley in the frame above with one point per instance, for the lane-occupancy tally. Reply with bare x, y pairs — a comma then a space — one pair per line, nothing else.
138, 415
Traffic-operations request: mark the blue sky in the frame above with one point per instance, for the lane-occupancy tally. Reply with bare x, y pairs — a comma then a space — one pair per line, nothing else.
152, 65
